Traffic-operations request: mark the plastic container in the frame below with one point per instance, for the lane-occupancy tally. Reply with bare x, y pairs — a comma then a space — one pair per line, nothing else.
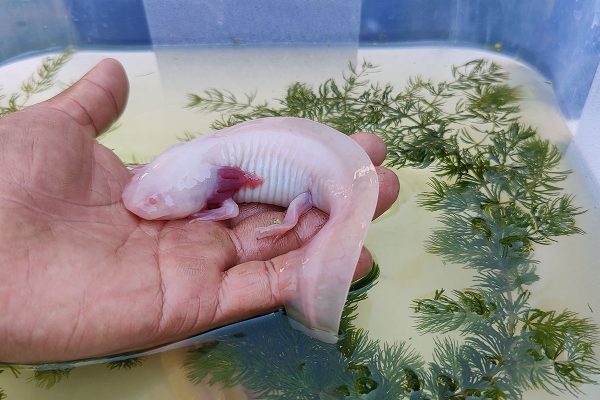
561, 39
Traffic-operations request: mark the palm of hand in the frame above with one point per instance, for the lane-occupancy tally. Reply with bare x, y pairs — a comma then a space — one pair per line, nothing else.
81, 276
97, 258
67, 240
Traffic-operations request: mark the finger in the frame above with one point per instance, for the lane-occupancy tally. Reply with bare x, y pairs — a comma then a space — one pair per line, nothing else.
249, 289
256, 287
249, 248
389, 187
252, 216
364, 264
97, 99
373, 146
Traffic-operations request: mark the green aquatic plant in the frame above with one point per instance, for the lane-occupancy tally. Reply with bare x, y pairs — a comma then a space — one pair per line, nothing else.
40, 375
16, 371
128, 363
43, 79
496, 192
47, 378
274, 361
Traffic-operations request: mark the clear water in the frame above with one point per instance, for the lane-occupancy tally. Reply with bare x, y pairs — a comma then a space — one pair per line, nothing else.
155, 118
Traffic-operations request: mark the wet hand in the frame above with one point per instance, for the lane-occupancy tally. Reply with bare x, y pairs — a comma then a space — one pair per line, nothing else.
81, 276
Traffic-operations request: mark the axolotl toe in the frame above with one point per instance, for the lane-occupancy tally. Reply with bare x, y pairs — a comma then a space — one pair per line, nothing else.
291, 162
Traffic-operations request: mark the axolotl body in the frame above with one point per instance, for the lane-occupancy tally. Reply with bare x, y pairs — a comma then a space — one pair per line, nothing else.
291, 162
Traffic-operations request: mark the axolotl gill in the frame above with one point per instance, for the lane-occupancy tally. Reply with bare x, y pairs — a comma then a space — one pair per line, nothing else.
290, 162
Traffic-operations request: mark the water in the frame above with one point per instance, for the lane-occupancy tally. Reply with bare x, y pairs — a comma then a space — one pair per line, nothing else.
155, 118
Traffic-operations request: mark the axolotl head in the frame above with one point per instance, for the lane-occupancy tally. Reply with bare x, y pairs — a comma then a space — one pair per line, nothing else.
170, 187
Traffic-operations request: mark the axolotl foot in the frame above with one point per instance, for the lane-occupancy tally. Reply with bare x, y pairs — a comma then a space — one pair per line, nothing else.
301, 204
229, 209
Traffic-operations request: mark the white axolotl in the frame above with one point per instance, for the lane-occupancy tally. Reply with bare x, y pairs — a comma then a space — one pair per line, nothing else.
291, 162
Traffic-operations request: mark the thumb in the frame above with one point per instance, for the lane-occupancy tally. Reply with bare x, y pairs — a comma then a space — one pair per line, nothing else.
97, 99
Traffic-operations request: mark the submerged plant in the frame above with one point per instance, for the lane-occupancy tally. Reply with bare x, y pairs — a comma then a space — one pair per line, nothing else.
47, 378
43, 79
128, 363
496, 192
14, 370
274, 361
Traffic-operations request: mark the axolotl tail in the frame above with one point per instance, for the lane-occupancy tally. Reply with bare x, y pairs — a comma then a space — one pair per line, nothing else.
324, 268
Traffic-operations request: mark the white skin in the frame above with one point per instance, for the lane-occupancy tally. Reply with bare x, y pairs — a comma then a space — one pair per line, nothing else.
297, 161
81, 276
160, 197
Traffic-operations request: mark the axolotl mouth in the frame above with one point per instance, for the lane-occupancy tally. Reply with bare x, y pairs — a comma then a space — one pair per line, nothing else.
146, 201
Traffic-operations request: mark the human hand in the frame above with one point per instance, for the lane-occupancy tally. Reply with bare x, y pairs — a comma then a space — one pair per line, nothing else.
81, 276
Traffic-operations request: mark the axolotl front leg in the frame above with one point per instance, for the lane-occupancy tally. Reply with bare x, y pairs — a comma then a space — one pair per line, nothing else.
227, 210
229, 181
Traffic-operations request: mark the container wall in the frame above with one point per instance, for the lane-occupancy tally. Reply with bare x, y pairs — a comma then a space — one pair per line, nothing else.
105, 23
585, 148
33, 25
257, 22
560, 38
